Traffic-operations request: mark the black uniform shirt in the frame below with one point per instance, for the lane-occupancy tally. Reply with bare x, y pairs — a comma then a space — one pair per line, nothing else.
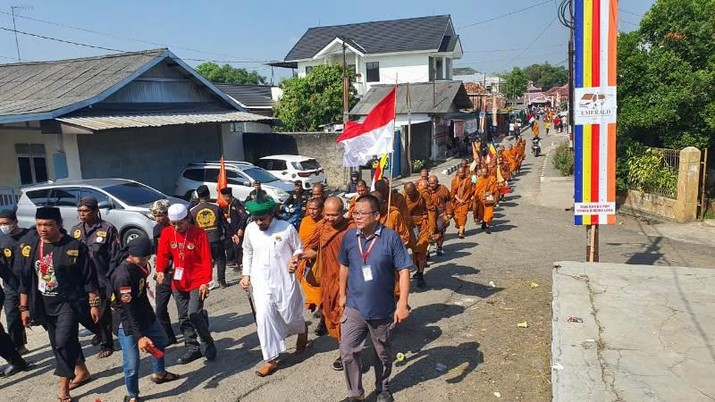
253, 195
237, 216
129, 286
10, 259
102, 240
209, 217
60, 272
299, 200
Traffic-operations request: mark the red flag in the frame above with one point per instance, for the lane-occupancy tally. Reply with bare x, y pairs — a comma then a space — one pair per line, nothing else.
221, 183
371, 137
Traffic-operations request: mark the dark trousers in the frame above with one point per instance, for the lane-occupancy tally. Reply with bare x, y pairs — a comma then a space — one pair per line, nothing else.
219, 256
163, 295
104, 325
234, 252
354, 330
8, 350
193, 319
63, 330
14, 325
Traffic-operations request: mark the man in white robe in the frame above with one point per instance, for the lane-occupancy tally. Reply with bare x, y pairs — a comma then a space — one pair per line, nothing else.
270, 250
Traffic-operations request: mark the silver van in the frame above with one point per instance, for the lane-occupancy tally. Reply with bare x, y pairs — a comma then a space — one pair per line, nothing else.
123, 203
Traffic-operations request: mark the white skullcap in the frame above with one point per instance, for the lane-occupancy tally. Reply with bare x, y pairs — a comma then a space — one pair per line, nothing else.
177, 212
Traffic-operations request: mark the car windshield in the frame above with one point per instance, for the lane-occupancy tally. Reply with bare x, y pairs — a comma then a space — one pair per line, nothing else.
134, 193
259, 174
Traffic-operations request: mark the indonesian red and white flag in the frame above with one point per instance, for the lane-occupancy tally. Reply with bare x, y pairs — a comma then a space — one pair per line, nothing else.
374, 136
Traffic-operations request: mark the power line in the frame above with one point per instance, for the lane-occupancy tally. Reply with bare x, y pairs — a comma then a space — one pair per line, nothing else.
530, 44
60, 40
495, 60
513, 49
163, 45
629, 12
505, 15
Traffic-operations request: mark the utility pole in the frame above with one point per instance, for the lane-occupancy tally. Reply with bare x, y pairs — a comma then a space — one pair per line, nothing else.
346, 87
14, 28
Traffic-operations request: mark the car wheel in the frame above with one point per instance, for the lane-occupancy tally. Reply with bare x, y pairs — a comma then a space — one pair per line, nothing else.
131, 234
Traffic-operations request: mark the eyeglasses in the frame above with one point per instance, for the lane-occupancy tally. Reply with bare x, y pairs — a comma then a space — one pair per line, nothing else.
360, 215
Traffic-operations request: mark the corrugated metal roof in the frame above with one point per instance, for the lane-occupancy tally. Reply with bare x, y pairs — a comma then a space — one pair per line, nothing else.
249, 95
426, 97
40, 87
403, 35
107, 122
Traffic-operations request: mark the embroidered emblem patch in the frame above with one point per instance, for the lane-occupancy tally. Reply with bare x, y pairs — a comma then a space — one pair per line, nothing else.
73, 253
125, 294
77, 234
26, 251
7, 252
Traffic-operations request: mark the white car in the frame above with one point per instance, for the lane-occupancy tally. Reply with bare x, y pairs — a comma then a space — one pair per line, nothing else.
295, 167
240, 176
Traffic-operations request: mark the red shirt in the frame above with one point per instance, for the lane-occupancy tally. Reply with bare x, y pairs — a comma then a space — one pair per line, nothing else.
189, 250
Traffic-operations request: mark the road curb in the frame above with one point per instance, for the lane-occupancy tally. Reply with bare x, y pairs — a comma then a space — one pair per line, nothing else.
451, 169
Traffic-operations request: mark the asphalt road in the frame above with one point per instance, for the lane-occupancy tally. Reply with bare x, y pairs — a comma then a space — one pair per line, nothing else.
461, 340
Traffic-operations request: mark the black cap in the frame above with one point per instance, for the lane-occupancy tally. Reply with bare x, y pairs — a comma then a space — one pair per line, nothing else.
8, 214
48, 213
298, 183
89, 202
227, 191
256, 182
140, 247
203, 191
354, 174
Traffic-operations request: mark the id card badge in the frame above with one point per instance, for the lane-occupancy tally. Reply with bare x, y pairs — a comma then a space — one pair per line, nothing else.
178, 273
366, 273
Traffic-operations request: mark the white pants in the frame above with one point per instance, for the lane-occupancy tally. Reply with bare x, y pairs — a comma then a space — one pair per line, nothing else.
276, 322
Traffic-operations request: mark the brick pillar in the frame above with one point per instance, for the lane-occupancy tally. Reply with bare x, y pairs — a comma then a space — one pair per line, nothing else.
686, 206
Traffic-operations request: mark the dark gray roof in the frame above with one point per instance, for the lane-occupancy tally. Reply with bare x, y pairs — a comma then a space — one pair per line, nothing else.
426, 97
423, 33
45, 90
250, 96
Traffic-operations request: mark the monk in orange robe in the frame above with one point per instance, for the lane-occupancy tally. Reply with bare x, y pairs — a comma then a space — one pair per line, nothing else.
441, 200
462, 195
308, 227
485, 196
424, 175
361, 189
424, 227
398, 200
324, 247
393, 220
510, 158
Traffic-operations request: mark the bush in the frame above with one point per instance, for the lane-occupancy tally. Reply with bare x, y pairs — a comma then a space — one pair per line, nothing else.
419, 164
563, 159
648, 172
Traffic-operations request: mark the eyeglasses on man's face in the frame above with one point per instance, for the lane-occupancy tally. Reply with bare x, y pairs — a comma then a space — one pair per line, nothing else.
360, 215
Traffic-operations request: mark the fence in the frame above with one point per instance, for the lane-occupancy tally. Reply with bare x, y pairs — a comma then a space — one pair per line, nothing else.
655, 171
9, 197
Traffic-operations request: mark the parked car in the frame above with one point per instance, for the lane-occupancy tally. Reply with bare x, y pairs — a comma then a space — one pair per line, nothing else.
123, 203
294, 167
240, 176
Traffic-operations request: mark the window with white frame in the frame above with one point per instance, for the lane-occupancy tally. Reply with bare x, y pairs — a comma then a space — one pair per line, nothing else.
372, 72
32, 163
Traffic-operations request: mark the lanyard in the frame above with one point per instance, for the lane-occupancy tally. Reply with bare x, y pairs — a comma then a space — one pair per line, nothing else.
369, 249
181, 246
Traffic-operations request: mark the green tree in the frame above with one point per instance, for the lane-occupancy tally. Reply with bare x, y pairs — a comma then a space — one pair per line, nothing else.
229, 75
666, 72
546, 76
313, 100
516, 82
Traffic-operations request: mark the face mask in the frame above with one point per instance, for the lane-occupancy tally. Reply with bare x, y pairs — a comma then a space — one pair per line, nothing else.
6, 229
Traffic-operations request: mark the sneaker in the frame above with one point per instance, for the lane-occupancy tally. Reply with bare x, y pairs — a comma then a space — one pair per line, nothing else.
385, 396
338, 364
223, 284
484, 226
440, 251
189, 356
210, 351
213, 285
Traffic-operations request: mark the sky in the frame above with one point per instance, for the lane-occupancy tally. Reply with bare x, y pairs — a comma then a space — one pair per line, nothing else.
247, 34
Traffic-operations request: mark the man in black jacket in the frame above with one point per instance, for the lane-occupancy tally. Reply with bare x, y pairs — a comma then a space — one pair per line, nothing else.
237, 218
58, 285
208, 216
139, 329
9, 254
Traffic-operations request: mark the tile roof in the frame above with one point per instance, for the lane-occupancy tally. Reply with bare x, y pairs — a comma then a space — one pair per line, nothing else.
426, 97
410, 34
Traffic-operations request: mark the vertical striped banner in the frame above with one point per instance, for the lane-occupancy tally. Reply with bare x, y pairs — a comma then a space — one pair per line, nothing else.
595, 36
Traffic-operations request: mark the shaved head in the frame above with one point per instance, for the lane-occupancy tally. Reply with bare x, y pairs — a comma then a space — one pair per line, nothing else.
410, 189
333, 210
382, 187
423, 184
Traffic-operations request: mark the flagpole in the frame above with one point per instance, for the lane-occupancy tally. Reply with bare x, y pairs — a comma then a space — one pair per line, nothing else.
392, 153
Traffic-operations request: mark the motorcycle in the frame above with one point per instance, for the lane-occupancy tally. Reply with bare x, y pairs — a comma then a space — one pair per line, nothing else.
536, 146
291, 213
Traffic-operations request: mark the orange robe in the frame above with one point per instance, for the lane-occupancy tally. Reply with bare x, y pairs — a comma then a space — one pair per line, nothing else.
326, 242
462, 194
351, 206
443, 207
484, 210
423, 222
394, 221
510, 158
398, 200
308, 227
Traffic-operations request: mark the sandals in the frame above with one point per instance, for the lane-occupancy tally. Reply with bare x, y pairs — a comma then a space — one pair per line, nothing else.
64, 399
267, 369
104, 353
165, 378
77, 384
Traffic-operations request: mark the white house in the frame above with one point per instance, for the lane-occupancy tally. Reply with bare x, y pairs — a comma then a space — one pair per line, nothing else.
381, 52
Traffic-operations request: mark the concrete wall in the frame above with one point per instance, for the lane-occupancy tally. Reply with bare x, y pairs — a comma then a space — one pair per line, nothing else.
320, 146
153, 156
9, 168
651, 204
